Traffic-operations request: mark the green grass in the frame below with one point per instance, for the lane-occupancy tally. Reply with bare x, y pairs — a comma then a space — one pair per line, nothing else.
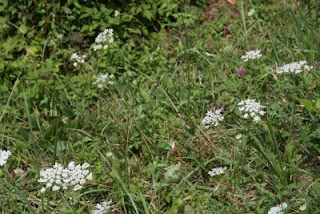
164, 84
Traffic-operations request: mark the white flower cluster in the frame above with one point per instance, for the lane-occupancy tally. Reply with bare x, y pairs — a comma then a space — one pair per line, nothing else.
217, 171
59, 177
104, 39
104, 78
78, 59
102, 208
251, 108
278, 209
212, 118
4, 155
251, 55
294, 67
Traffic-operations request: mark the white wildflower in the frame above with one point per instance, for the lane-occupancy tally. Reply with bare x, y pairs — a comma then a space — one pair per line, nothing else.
4, 155
104, 39
213, 118
294, 67
105, 78
59, 177
97, 47
251, 12
55, 188
251, 55
256, 118
238, 136
109, 154
278, 209
251, 108
116, 13
217, 171
102, 208
79, 59
262, 113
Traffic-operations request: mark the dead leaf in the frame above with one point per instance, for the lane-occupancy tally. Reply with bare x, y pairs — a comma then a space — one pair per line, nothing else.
232, 2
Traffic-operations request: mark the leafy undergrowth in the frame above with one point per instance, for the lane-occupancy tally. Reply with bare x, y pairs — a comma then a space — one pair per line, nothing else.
134, 111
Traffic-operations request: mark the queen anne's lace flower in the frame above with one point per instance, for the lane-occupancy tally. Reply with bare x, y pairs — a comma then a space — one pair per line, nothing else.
78, 59
251, 108
217, 171
4, 155
251, 55
59, 177
105, 78
213, 118
104, 39
294, 67
102, 208
278, 209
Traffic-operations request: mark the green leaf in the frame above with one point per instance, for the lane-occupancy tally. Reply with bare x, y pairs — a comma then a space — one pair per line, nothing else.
61, 146
148, 14
307, 103
145, 95
318, 103
67, 10
163, 145
24, 134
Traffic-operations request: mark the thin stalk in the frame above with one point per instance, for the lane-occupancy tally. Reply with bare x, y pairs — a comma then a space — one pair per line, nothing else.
243, 19
55, 146
10, 96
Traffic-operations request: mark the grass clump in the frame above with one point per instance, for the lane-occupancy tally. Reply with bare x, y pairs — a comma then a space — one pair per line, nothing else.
210, 108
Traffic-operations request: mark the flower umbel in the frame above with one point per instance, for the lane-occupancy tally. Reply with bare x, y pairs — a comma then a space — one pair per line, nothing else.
104, 39
4, 155
217, 171
59, 177
251, 108
251, 55
102, 208
278, 209
105, 78
213, 118
294, 67
78, 59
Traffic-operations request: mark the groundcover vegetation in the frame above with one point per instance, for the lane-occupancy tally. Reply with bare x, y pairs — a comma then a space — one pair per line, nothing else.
167, 106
